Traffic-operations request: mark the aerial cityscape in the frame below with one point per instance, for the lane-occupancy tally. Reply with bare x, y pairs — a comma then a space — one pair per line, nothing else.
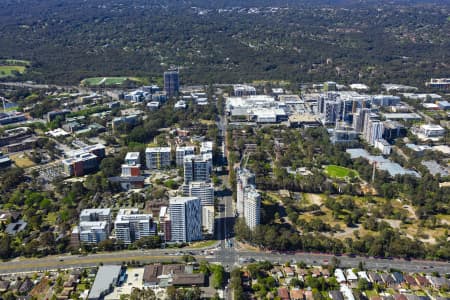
231, 149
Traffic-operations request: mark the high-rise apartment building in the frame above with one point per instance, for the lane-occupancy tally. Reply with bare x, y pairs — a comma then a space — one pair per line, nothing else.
131, 226
202, 190
244, 178
185, 219
181, 152
252, 207
197, 168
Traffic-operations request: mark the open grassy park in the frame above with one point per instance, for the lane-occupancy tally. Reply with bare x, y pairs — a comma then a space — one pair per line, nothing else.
108, 81
340, 172
9, 71
10, 67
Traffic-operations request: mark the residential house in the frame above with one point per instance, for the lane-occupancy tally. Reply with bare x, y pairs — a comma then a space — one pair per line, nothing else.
400, 297
388, 279
283, 293
375, 277
296, 294
4, 285
410, 281
438, 282
336, 295
398, 277
422, 281
340, 277
289, 272
351, 276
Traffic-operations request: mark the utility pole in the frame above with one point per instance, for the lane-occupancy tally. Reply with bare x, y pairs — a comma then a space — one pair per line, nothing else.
4, 105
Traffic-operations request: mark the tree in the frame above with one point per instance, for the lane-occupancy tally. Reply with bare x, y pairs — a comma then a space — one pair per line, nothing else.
106, 245
218, 276
5, 247
110, 166
363, 284
11, 178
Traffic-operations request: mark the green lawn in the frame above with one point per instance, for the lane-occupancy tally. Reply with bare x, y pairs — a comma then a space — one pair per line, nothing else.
108, 81
339, 172
371, 293
202, 244
7, 71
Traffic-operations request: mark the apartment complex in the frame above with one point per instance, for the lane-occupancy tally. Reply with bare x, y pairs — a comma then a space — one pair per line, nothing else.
131, 226
244, 179
182, 152
185, 219
157, 157
95, 225
249, 200
197, 168
202, 190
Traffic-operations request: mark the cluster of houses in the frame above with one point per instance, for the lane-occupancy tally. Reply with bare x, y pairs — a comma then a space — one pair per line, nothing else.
398, 285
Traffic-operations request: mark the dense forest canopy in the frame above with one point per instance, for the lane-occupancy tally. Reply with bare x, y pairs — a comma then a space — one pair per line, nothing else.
229, 41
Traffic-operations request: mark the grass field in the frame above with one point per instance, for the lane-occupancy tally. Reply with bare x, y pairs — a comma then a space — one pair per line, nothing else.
107, 81
7, 71
22, 161
339, 172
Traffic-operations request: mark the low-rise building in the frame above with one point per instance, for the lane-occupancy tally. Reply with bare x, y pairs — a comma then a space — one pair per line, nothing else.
439, 84
106, 279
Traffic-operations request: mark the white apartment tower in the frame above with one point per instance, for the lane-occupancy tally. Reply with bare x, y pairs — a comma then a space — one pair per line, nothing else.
131, 226
181, 152
202, 190
95, 225
244, 178
186, 219
252, 209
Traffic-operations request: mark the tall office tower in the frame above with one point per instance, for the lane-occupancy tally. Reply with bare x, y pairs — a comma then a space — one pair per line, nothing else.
131, 226
157, 157
197, 168
185, 219
331, 111
244, 178
171, 82
202, 190
181, 152
346, 109
252, 207
359, 119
